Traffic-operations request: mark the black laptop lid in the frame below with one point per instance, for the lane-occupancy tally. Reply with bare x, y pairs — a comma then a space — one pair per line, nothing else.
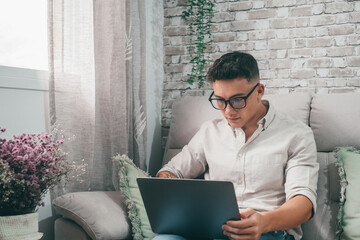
190, 208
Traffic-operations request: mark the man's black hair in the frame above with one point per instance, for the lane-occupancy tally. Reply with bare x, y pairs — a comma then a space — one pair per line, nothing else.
234, 65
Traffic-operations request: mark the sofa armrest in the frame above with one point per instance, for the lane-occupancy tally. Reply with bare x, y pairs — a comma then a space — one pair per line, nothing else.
66, 229
102, 215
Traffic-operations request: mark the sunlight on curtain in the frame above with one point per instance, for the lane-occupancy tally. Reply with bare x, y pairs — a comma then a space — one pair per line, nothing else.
97, 87
72, 81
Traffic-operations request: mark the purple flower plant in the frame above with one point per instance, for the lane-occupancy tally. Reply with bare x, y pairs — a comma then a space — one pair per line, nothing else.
30, 164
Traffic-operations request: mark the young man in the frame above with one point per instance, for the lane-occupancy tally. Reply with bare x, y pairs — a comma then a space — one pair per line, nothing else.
269, 157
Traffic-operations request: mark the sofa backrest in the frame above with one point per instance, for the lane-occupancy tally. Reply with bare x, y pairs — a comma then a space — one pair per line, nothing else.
189, 112
335, 120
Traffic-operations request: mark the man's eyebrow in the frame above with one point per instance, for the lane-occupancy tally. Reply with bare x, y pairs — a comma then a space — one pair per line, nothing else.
236, 95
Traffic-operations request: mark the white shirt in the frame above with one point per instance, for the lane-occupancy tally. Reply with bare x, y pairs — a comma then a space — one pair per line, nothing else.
275, 164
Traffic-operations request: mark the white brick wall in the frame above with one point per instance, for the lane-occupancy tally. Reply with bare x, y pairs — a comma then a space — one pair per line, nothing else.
300, 45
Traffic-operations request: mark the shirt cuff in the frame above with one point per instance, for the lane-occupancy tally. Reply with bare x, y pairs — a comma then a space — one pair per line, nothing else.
172, 170
307, 193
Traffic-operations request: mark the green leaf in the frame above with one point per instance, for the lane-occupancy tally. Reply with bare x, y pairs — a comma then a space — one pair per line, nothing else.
198, 16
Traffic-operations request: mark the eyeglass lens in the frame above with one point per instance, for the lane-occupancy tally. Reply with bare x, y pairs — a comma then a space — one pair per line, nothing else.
234, 102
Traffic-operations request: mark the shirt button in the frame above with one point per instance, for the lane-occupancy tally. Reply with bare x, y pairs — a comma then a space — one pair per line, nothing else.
239, 181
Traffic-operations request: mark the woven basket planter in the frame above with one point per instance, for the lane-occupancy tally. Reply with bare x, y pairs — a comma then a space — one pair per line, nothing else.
17, 227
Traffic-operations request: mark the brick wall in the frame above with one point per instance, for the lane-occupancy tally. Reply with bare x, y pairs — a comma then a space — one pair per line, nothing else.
300, 45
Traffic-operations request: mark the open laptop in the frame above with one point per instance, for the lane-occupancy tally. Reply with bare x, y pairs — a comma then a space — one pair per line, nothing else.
188, 207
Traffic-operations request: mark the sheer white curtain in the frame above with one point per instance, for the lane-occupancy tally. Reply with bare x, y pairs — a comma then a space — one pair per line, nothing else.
97, 85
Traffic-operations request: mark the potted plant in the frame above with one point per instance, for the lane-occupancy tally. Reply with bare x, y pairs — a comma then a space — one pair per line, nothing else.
30, 164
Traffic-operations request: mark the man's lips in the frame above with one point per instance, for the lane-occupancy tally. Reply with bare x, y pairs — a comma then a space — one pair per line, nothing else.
233, 118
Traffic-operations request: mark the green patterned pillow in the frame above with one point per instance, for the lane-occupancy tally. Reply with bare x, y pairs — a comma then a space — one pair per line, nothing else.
349, 212
128, 172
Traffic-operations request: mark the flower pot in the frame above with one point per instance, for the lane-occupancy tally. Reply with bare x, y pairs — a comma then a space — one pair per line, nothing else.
25, 226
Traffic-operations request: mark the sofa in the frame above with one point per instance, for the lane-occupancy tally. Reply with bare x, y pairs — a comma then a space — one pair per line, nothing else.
334, 119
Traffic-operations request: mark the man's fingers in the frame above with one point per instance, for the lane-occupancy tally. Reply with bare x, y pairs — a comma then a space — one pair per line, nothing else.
246, 228
242, 224
237, 229
165, 174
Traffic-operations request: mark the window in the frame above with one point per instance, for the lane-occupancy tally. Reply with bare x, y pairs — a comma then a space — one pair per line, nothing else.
23, 66
23, 34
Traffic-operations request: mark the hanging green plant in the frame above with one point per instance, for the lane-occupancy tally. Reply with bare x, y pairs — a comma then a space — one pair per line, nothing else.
198, 16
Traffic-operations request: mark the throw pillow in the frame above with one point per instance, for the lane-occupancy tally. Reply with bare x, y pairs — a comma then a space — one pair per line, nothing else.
128, 172
107, 218
349, 212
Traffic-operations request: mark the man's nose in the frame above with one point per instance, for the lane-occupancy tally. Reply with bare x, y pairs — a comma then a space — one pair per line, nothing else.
229, 108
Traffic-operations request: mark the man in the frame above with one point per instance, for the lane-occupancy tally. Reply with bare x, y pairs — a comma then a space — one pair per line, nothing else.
269, 157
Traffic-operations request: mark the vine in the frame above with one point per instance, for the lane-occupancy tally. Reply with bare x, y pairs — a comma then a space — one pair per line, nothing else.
198, 16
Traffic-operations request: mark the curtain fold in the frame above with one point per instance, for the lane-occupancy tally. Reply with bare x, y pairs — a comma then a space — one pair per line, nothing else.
97, 86
136, 71
111, 99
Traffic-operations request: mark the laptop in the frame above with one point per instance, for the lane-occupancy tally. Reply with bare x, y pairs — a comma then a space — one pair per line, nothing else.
190, 208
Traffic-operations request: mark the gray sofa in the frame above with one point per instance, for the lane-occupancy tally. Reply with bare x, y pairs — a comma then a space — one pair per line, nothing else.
334, 119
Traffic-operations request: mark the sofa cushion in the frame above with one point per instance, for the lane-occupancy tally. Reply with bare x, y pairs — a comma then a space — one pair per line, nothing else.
189, 112
334, 119
323, 224
296, 105
128, 172
349, 213
100, 214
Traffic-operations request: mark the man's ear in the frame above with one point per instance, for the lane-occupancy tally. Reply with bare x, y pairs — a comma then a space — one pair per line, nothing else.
260, 91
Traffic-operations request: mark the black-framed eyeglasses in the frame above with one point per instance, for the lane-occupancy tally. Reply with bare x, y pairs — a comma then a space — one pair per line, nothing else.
235, 102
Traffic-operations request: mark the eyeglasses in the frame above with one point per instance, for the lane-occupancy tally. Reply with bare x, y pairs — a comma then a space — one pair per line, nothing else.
235, 102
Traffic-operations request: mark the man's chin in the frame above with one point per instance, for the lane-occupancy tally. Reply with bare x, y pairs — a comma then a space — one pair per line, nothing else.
235, 124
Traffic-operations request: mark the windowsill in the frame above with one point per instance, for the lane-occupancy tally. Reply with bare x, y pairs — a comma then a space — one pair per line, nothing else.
24, 78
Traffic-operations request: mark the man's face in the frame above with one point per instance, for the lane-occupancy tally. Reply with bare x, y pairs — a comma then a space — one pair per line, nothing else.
239, 87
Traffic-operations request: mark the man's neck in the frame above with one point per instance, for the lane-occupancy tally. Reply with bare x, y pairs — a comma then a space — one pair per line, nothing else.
250, 128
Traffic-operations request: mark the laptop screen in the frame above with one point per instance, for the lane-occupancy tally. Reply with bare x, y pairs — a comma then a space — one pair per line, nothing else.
188, 207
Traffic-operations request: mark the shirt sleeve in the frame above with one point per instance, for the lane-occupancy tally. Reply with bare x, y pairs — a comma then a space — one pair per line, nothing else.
191, 161
302, 167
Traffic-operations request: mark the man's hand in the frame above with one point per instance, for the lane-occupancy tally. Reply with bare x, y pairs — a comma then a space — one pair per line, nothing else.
166, 174
292, 213
249, 227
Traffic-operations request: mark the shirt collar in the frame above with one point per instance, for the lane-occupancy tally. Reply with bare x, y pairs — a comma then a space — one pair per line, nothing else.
269, 116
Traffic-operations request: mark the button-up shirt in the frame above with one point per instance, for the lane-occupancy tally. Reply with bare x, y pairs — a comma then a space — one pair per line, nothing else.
277, 162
